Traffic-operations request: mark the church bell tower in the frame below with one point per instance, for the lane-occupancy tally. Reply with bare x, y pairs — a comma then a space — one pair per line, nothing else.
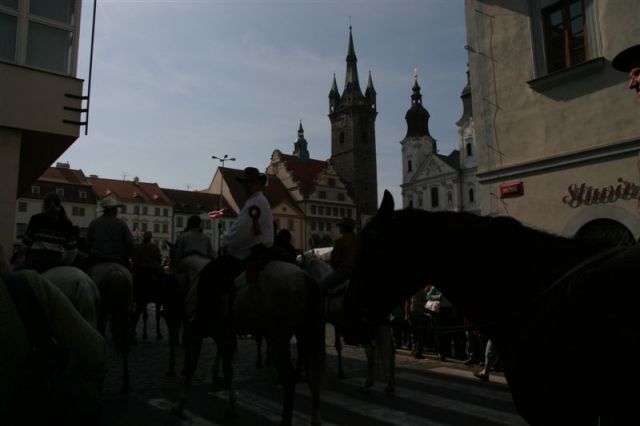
353, 135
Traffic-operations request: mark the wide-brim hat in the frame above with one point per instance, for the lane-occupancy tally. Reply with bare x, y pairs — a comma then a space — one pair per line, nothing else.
628, 59
347, 222
110, 203
251, 174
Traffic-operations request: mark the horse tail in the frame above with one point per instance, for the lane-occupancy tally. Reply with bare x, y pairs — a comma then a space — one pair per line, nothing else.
121, 295
311, 336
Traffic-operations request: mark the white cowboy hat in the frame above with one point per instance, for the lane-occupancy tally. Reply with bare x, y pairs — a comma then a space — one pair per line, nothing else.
110, 202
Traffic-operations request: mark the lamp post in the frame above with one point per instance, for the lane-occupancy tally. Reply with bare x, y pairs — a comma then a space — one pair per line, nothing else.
222, 160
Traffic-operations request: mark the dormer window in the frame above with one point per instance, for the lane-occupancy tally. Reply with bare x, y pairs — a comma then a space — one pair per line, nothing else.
35, 189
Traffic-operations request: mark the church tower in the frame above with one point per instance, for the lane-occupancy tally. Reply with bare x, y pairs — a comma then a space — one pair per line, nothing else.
353, 136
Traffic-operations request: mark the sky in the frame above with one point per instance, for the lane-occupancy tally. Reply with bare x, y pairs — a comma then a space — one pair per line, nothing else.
175, 82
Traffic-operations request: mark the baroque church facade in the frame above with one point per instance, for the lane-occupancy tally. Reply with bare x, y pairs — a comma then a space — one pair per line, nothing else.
433, 181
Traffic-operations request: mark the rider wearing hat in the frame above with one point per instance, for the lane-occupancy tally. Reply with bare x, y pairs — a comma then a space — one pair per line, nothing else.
108, 237
343, 255
628, 61
253, 228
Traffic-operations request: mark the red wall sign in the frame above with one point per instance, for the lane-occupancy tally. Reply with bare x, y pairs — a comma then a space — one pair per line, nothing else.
511, 189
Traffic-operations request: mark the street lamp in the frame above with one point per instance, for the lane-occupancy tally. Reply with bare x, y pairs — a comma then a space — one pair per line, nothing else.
222, 160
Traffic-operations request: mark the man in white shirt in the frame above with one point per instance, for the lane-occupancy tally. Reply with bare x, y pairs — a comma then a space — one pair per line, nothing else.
254, 227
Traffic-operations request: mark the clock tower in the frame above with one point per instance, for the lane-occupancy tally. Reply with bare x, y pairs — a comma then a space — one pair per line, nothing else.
353, 136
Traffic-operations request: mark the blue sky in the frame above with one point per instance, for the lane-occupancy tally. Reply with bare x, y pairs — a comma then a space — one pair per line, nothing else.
175, 82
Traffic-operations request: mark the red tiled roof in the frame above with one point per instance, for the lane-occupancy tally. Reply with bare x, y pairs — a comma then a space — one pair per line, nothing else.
305, 174
130, 191
275, 191
63, 175
192, 202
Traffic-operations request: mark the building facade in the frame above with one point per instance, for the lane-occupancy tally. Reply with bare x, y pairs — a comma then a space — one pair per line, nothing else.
41, 98
353, 137
317, 189
432, 181
558, 134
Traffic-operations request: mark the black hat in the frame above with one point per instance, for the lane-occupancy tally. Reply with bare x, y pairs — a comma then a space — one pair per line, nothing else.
628, 59
252, 174
347, 222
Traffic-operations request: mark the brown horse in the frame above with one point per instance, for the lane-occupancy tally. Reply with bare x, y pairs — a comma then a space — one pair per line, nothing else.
562, 312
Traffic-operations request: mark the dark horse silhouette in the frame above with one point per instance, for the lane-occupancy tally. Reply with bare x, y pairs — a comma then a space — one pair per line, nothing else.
562, 312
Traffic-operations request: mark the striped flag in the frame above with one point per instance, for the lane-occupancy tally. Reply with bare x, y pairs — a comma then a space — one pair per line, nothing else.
216, 214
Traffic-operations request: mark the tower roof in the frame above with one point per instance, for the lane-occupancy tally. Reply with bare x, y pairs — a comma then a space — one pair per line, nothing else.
417, 116
467, 110
370, 89
334, 93
351, 81
300, 149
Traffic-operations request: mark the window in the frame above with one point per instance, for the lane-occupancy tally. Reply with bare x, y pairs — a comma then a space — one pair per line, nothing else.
48, 34
77, 211
335, 211
564, 34
342, 212
471, 195
35, 189
156, 227
60, 192
410, 202
322, 195
144, 227
349, 212
340, 196
328, 227
449, 198
165, 212
82, 195
20, 229
434, 197
313, 225
320, 226
165, 228
157, 211
145, 211
420, 200
341, 138
290, 224
321, 210
135, 226
409, 166
179, 222
469, 149
22, 207
313, 209
136, 209
332, 182
123, 209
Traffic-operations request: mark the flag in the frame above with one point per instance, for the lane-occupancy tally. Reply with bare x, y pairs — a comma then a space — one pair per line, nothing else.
216, 214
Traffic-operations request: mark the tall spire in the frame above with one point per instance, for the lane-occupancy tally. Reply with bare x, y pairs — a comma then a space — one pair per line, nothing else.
300, 146
417, 117
351, 82
370, 89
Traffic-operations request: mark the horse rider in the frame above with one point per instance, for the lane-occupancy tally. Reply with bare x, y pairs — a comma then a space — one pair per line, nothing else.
34, 389
192, 241
628, 61
343, 255
283, 248
108, 237
252, 229
48, 237
147, 272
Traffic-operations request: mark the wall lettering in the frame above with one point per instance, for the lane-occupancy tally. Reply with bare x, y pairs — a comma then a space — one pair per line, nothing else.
587, 195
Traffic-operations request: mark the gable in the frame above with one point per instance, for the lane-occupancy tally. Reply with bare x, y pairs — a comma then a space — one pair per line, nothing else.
432, 167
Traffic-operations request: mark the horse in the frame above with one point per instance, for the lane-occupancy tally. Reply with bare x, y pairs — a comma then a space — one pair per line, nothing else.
115, 283
146, 289
540, 298
79, 288
282, 302
379, 351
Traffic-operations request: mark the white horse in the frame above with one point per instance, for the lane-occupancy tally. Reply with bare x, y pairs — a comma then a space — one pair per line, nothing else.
79, 288
380, 351
283, 302
115, 284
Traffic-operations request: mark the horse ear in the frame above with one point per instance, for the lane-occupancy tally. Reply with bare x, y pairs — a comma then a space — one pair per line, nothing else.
386, 207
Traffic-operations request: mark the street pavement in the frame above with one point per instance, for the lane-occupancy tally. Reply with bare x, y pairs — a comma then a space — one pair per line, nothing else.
428, 392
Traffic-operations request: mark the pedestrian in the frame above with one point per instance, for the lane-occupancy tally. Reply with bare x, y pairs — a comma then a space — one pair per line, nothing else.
49, 237
628, 61
108, 237
147, 273
343, 255
52, 361
491, 356
419, 320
